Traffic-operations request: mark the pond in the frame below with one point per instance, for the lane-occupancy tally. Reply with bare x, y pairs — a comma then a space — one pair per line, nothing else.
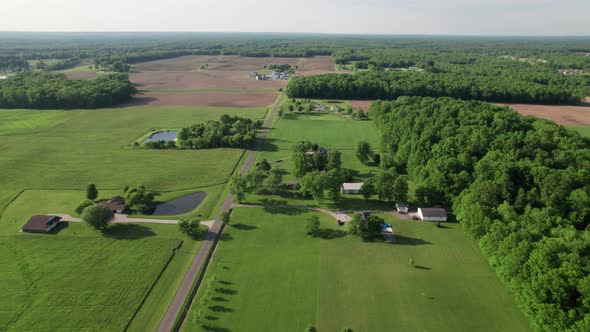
180, 205
164, 135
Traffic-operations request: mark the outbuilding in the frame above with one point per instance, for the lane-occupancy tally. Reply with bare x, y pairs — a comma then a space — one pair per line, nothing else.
352, 188
41, 224
432, 214
116, 204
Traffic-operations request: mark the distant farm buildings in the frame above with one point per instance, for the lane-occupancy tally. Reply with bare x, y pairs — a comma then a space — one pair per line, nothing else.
351, 188
402, 208
41, 224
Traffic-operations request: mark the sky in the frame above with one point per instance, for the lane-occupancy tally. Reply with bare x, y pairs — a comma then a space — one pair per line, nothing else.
450, 17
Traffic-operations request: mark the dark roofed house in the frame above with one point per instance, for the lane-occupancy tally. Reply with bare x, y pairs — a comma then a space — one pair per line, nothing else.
117, 204
41, 224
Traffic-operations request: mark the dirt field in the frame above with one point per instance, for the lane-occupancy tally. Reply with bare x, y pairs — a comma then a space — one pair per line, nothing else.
317, 65
209, 79
221, 62
214, 99
81, 75
362, 104
563, 115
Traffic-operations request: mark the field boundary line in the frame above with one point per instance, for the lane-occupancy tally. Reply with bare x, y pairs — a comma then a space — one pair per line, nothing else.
149, 291
11, 201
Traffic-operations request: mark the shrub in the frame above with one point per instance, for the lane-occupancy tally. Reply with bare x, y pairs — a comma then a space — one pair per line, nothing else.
97, 216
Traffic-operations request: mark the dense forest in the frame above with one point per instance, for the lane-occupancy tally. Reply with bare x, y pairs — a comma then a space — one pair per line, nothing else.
519, 185
228, 132
42, 90
489, 79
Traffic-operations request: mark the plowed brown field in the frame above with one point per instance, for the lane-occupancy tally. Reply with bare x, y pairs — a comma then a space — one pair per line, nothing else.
214, 99
561, 114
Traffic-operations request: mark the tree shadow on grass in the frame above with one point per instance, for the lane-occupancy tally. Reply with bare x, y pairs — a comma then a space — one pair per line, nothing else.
211, 317
226, 237
211, 328
286, 211
225, 282
328, 234
220, 308
128, 232
226, 291
404, 240
420, 267
243, 227
219, 299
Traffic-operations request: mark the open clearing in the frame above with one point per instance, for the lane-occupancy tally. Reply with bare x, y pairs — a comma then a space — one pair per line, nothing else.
340, 281
561, 114
212, 99
317, 65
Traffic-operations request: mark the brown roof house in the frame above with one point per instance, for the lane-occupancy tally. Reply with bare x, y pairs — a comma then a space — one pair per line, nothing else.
41, 224
117, 204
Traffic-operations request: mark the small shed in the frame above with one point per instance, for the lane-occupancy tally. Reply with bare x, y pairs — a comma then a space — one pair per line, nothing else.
336, 108
352, 188
432, 214
41, 224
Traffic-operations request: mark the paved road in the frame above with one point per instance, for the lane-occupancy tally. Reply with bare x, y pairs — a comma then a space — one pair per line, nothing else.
203, 255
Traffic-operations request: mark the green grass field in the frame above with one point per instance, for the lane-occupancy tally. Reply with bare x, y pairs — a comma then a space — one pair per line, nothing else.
69, 149
79, 279
584, 130
270, 276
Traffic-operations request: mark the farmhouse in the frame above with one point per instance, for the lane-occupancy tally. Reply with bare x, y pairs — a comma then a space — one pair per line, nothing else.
41, 224
261, 77
433, 214
402, 208
351, 188
116, 204
319, 108
336, 108
253, 74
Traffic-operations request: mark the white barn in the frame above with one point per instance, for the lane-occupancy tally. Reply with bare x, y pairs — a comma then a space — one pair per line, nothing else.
432, 214
351, 188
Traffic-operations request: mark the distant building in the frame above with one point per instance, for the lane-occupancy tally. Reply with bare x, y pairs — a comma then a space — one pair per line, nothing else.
336, 108
41, 224
319, 108
116, 204
402, 208
261, 77
253, 74
432, 214
350, 188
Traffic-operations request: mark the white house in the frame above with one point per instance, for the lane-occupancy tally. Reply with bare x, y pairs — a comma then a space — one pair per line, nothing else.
432, 214
351, 188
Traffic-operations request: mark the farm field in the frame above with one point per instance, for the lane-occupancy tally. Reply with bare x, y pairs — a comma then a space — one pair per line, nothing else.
47, 287
55, 154
584, 130
317, 65
560, 114
204, 99
339, 281
215, 62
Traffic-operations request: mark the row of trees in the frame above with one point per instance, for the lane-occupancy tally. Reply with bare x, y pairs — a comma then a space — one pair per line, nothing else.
519, 185
262, 180
388, 85
229, 131
41, 90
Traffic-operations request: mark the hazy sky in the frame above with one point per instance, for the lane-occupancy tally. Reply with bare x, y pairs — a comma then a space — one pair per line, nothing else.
497, 17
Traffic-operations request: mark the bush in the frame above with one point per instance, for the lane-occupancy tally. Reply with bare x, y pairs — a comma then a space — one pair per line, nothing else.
191, 228
312, 225
82, 205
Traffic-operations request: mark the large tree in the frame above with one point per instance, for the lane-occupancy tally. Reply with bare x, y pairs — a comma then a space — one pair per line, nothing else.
363, 151
98, 216
91, 192
139, 198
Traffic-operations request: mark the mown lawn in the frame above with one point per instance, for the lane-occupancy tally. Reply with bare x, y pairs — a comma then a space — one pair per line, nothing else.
78, 282
69, 149
584, 130
269, 276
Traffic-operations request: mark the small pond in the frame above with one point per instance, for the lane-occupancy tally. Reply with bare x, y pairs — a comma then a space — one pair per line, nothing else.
164, 135
180, 205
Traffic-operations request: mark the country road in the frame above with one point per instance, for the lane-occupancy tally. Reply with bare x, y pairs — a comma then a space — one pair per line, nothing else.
208, 245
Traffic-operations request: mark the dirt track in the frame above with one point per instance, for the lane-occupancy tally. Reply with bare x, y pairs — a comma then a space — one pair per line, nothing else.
561, 114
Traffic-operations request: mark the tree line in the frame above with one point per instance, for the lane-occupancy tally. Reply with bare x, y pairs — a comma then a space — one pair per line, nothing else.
41, 90
388, 85
519, 185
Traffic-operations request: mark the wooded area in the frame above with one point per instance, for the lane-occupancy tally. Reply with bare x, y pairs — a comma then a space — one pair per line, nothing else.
519, 185
42, 90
